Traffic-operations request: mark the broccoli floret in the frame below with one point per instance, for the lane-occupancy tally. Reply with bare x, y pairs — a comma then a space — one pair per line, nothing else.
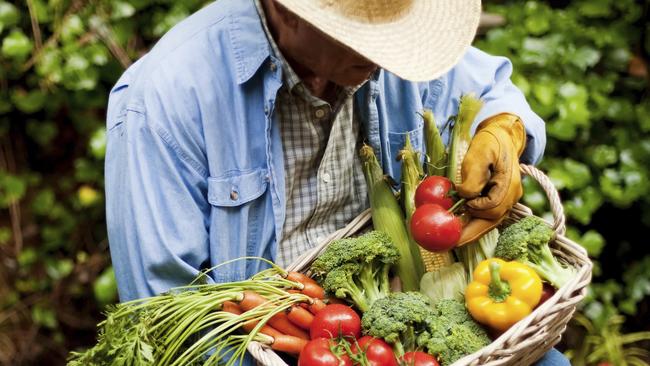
451, 333
357, 268
527, 241
398, 319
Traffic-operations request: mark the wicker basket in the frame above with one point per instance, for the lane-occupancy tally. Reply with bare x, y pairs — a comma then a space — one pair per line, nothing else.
526, 341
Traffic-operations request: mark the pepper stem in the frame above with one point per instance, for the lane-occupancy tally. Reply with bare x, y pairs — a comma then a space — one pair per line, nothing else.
499, 290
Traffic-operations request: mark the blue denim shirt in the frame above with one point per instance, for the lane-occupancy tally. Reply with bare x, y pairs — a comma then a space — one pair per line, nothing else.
194, 162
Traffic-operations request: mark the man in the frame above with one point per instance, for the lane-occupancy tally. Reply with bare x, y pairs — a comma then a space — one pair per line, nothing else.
237, 135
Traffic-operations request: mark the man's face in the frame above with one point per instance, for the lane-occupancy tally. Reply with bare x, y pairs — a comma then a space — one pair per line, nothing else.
322, 56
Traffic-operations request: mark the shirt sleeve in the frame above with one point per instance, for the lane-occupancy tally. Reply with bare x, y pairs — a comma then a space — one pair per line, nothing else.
489, 78
157, 211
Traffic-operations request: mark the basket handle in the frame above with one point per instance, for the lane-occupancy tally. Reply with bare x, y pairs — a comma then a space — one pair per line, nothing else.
559, 220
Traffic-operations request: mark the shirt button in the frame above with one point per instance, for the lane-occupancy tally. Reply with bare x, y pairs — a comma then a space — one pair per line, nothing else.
273, 66
234, 195
320, 113
326, 177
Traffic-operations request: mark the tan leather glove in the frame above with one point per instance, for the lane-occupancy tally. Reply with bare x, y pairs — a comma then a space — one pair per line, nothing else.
490, 172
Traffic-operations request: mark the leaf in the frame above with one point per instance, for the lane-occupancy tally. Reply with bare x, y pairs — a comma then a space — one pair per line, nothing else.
58, 269
28, 102
538, 18
43, 202
43, 132
533, 195
561, 130
593, 242
98, 143
585, 57
621, 110
545, 92
603, 155
88, 196
72, 27
521, 82
583, 205
643, 115
27, 257
12, 187
105, 287
5, 235
44, 317
122, 9
570, 174
17, 45
49, 65
595, 9
573, 106
9, 15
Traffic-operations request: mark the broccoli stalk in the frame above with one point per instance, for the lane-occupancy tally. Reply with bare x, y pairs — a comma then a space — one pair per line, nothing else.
541, 259
363, 285
357, 269
527, 241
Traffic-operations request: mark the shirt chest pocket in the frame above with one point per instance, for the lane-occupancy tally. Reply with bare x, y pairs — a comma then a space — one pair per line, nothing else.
237, 188
241, 221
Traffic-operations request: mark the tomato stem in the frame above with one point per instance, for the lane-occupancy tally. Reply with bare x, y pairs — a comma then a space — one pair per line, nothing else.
457, 205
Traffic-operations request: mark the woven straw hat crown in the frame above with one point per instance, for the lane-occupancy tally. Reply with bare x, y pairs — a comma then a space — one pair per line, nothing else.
417, 40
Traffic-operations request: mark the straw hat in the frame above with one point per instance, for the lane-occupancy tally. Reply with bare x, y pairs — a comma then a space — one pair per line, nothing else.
417, 40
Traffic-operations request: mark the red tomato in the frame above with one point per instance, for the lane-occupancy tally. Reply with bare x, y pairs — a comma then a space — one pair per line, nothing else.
434, 189
419, 359
547, 292
336, 319
435, 228
378, 352
318, 352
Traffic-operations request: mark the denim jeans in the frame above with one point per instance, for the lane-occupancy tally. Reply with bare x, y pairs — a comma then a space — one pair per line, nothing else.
553, 358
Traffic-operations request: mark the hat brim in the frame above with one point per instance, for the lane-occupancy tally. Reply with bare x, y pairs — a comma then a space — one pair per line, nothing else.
421, 44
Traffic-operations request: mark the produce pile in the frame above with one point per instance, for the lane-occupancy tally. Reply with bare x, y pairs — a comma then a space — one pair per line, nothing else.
370, 300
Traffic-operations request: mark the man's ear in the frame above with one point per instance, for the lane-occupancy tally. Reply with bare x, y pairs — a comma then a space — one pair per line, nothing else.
288, 18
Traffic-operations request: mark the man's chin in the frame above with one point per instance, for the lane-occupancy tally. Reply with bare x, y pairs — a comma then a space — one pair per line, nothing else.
352, 80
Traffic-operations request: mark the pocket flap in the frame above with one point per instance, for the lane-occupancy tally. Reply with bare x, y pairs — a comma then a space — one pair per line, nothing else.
237, 188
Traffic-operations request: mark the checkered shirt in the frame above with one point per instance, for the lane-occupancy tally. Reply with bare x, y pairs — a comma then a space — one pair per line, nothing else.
325, 187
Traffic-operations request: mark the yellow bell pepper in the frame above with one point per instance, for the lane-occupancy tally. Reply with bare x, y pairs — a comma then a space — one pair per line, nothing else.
502, 293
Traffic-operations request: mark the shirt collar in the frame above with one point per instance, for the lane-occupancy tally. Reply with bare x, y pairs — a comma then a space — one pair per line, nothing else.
292, 79
250, 48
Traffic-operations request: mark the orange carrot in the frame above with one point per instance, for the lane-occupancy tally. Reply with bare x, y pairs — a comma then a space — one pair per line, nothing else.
279, 321
299, 277
282, 323
251, 300
313, 290
266, 329
317, 306
231, 307
288, 344
300, 317
310, 287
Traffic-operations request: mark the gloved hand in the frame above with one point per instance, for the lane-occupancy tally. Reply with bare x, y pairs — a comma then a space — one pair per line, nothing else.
491, 181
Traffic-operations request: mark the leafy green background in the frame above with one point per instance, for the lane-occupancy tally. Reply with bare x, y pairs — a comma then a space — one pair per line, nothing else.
582, 64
